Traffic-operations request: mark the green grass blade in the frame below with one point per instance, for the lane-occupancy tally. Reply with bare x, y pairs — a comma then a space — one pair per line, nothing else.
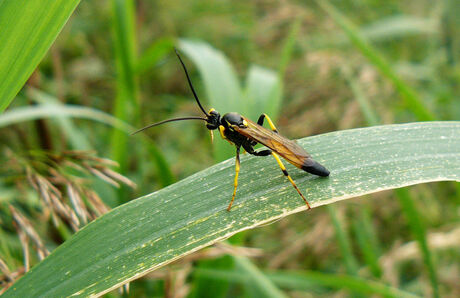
264, 87
260, 284
418, 229
384, 29
163, 170
288, 47
450, 31
154, 54
344, 241
411, 98
77, 139
312, 281
159, 228
219, 77
204, 287
369, 115
126, 105
367, 241
262, 94
398, 26
29, 113
28, 28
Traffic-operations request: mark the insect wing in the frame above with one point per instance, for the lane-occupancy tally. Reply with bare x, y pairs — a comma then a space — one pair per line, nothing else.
288, 149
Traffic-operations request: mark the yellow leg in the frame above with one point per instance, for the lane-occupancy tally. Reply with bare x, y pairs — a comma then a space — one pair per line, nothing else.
235, 183
283, 168
270, 122
278, 160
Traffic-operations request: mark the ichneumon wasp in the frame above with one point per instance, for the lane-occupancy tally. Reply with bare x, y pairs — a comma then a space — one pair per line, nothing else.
242, 132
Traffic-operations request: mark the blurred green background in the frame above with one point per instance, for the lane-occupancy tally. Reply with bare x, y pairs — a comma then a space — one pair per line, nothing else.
314, 68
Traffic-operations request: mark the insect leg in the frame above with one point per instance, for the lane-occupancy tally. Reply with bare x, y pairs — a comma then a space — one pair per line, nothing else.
283, 168
212, 136
237, 171
261, 122
250, 150
262, 152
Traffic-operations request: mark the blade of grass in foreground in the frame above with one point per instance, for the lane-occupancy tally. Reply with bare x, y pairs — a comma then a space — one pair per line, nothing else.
28, 28
159, 228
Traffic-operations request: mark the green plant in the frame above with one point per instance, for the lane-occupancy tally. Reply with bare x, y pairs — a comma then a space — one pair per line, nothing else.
28, 30
152, 231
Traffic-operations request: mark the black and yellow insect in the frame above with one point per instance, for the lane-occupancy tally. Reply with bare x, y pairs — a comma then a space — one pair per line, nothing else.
242, 132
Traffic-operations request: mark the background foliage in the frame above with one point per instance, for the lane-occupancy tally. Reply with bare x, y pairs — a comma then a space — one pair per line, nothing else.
316, 67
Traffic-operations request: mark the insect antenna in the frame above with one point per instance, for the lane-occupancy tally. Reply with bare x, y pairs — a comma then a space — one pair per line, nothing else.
166, 121
182, 118
190, 83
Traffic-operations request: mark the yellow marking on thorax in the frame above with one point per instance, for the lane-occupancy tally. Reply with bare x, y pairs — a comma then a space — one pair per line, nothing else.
221, 130
222, 134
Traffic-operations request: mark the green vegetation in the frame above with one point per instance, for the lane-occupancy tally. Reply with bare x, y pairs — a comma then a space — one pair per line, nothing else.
321, 68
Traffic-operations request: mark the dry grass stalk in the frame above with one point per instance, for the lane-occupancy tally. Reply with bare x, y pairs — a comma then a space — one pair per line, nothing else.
101, 175
24, 226
8, 278
6, 271
61, 181
64, 193
77, 203
95, 203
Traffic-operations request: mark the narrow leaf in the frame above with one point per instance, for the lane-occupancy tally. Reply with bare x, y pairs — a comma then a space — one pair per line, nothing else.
159, 228
28, 28
126, 106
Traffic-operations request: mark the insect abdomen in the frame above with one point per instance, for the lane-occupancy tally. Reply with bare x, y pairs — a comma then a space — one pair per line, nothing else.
315, 168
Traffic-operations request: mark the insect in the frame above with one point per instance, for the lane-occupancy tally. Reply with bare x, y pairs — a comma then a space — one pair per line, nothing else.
242, 132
